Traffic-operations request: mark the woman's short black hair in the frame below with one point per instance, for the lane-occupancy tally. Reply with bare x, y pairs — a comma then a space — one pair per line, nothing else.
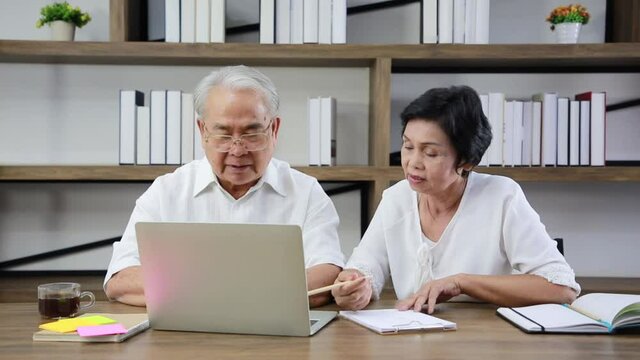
458, 112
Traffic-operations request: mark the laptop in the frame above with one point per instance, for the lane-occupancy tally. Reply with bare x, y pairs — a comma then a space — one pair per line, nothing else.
227, 278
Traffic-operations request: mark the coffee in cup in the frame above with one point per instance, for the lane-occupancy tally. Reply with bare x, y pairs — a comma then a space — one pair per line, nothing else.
60, 300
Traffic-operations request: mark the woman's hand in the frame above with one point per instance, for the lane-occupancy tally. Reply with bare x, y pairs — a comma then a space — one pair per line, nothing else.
432, 293
353, 296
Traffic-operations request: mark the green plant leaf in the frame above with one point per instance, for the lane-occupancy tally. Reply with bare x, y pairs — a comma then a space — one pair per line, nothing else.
62, 12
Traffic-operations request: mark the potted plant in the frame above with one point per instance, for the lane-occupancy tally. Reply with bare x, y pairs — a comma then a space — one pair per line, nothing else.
568, 20
62, 18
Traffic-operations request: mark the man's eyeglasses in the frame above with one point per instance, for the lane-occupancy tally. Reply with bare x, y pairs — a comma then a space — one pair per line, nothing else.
251, 142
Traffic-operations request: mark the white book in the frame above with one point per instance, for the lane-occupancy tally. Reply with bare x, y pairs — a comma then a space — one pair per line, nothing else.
585, 132
283, 21
507, 148
445, 21
536, 134
574, 133
339, 22
392, 321
187, 21
310, 24
297, 21
470, 7
327, 131
324, 22
598, 128
203, 21
518, 109
527, 132
198, 150
563, 131
549, 127
267, 21
482, 21
158, 107
459, 25
172, 20
143, 136
174, 126
313, 117
429, 20
218, 24
484, 101
188, 124
496, 119
129, 100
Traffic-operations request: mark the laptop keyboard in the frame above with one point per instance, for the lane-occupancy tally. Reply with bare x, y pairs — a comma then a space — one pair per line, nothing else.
312, 322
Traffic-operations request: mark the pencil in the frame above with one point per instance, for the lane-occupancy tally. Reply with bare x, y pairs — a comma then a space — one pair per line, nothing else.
333, 286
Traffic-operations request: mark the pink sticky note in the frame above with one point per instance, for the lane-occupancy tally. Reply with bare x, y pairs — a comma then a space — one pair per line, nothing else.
99, 330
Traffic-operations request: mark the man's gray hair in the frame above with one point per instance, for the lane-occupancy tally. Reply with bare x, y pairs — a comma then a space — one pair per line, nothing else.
237, 78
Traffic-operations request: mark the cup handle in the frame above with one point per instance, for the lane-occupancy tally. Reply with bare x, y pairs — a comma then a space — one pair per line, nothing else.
92, 299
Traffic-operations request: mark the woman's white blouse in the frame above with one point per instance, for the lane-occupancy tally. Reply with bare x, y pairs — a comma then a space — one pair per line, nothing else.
494, 232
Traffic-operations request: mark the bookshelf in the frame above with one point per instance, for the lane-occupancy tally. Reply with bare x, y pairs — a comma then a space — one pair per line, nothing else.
381, 60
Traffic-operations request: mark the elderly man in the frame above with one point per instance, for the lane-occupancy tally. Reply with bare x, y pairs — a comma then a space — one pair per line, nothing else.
237, 182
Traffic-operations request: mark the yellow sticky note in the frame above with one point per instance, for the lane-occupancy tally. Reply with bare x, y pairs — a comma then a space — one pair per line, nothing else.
98, 319
70, 325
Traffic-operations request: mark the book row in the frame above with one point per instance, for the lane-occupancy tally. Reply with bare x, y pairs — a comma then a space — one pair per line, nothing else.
455, 21
187, 21
162, 133
281, 21
321, 117
548, 130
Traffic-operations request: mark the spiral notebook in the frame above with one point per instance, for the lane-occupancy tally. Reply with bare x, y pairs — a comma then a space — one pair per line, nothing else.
392, 321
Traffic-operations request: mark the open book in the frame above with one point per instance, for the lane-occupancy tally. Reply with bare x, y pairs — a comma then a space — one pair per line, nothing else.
592, 313
391, 321
133, 323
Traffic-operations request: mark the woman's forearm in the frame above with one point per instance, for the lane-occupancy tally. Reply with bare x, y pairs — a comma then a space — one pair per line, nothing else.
515, 290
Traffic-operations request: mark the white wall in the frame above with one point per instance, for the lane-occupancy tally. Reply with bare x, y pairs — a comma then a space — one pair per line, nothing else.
526, 20
18, 20
67, 114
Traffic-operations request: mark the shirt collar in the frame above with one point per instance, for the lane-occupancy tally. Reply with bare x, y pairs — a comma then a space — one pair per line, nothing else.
206, 177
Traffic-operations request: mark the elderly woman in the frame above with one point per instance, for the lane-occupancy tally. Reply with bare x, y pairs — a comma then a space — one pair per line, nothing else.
446, 231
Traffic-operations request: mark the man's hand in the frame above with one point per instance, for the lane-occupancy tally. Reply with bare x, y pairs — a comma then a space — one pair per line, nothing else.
126, 286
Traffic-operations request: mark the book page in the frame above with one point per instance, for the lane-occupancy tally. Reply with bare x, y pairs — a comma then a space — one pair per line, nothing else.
555, 316
605, 306
392, 320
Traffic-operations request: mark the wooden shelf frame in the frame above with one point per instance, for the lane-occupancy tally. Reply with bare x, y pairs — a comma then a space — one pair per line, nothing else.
379, 59
622, 56
382, 174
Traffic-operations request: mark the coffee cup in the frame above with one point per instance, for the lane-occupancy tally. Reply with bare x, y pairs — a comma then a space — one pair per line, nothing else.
61, 300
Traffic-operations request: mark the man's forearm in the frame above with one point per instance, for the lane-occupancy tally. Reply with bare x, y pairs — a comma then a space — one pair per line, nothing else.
319, 276
126, 286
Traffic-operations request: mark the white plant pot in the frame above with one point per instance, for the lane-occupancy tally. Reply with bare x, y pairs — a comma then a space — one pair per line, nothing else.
568, 33
62, 31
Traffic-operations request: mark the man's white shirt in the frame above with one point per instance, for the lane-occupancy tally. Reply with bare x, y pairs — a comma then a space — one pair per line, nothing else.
193, 194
